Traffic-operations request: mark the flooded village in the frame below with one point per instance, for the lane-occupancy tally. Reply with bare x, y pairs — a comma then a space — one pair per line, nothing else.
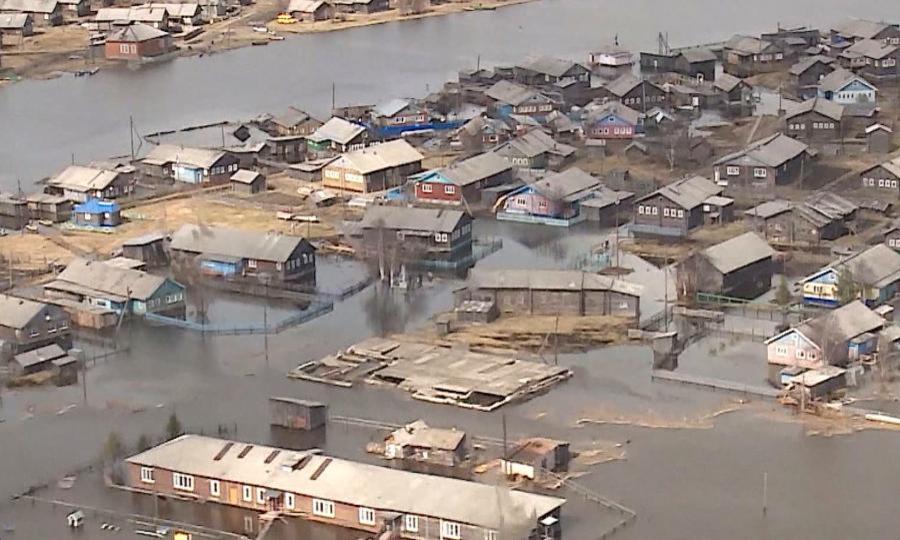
581, 296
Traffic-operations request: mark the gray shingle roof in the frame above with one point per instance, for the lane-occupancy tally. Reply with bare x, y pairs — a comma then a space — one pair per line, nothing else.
838, 79
236, 243
772, 151
803, 65
18, 312
622, 85
859, 28
571, 280
402, 218
569, 184
469, 171
826, 108
545, 65
511, 93
689, 192
871, 48
738, 252
103, 278
338, 130
727, 82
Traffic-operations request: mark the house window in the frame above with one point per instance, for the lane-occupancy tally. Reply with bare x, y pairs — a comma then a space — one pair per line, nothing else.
654, 210
812, 355
410, 523
184, 482
444, 237
680, 213
801, 354
214, 488
760, 172
366, 516
289, 501
641, 209
426, 188
437, 237
451, 530
666, 212
247, 494
881, 182
260, 495
732, 171
63, 325
490, 535
893, 183
147, 475
323, 508
449, 190
781, 350
251, 263
51, 328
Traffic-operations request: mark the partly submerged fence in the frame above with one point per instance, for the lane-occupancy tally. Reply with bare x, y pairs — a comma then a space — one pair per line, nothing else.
315, 310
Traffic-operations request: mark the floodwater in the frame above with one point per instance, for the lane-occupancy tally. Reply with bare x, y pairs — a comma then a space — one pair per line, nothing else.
690, 476
44, 123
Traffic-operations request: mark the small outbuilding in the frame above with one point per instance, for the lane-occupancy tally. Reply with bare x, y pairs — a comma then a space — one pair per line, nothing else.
533, 458
97, 213
740, 267
149, 249
420, 442
477, 311
878, 138
248, 182
294, 413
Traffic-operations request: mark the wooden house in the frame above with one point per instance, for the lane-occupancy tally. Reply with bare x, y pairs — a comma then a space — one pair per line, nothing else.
248, 182
26, 325
613, 121
137, 41
399, 112
462, 182
190, 165
310, 10
553, 292
43, 13
97, 213
875, 271
853, 30
150, 249
292, 413
236, 254
46, 358
873, 59
883, 179
510, 98
554, 200
375, 168
786, 222
117, 289
480, 133
847, 88
79, 183
417, 441
676, 209
547, 70
878, 139
754, 172
46, 207
696, 63
367, 499
807, 73
536, 457
337, 136
364, 7
892, 235
536, 150
741, 267
639, 94
17, 24
423, 233
293, 122
745, 56
822, 341
13, 212
816, 120
735, 92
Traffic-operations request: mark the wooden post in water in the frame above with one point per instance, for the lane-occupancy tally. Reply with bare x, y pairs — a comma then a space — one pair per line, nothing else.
765, 492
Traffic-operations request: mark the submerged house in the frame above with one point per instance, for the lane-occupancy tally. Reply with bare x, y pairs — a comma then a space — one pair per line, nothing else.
423, 233
741, 267
833, 339
873, 274
553, 200
418, 441
241, 254
337, 492
118, 289
26, 325
462, 182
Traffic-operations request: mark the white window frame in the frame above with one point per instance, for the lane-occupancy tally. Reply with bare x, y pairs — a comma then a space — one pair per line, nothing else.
147, 475
760, 172
366, 516
323, 508
641, 209
290, 501
680, 213
451, 530
781, 350
731, 170
251, 263
215, 488
411, 523
426, 188
654, 210
801, 354
247, 494
450, 189
666, 212
182, 482
261, 495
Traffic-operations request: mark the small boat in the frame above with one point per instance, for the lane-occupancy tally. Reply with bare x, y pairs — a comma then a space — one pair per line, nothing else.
276, 38
259, 42
86, 72
481, 7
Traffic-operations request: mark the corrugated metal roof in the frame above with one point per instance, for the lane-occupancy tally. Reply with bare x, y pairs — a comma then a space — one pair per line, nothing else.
740, 251
80, 178
337, 130
560, 280
403, 218
235, 243
18, 312
197, 157
480, 167
378, 157
351, 483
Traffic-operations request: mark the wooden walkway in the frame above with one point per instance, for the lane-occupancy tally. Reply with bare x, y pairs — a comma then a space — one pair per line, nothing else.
714, 384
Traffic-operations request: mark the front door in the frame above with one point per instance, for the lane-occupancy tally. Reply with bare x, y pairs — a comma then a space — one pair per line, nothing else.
232, 495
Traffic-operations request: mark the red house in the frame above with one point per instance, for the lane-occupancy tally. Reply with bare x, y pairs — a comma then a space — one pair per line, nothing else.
463, 181
137, 42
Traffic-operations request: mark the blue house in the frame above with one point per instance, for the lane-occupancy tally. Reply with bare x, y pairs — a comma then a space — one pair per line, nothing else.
97, 213
847, 88
554, 200
613, 121
121, 290
875, 271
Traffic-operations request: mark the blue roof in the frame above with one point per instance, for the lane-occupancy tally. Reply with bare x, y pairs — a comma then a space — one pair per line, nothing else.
96, 206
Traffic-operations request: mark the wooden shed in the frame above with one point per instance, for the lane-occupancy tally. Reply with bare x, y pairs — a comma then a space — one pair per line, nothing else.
294, 413
248, 182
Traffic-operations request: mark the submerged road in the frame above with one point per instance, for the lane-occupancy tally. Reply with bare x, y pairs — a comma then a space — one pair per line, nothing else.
44, 123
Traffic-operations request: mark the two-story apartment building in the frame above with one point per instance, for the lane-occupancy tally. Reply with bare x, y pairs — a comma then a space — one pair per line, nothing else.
755, 170
235, 254
343, 493
374, 168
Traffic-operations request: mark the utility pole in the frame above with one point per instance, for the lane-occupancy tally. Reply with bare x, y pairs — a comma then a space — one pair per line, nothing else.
333, 97
131, 134
666, 294
765, 492
84, 381
266, 323
556, 341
